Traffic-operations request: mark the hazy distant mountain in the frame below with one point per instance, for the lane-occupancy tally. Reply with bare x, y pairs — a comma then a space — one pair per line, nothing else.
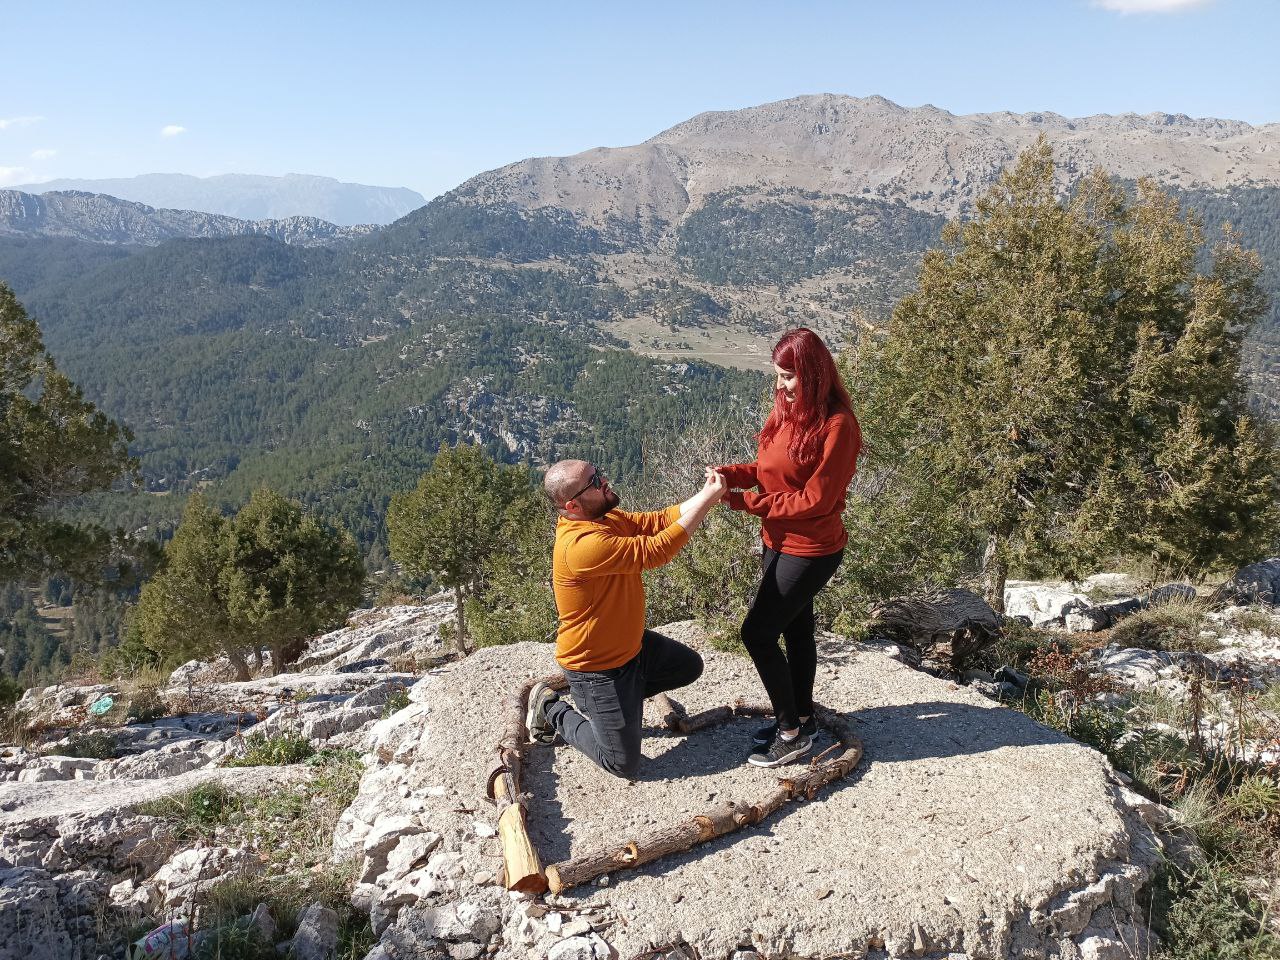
929, 159
104, 219
249, 197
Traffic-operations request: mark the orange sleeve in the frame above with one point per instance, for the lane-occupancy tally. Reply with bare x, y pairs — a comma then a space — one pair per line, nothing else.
648, 524
601, 553
826, 486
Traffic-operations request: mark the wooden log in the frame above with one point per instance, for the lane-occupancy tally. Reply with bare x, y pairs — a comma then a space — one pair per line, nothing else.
521, 863
673, 713
725, 817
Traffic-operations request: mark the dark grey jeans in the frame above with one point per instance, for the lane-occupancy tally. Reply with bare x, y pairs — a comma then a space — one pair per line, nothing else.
606, 725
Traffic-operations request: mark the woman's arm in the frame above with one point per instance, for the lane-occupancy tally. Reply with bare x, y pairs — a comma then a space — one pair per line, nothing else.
826, 486
738, 475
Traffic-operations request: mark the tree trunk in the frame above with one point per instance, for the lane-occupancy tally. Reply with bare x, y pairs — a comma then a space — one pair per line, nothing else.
458, 600
277, 658
257, 656
239, 662
995, 571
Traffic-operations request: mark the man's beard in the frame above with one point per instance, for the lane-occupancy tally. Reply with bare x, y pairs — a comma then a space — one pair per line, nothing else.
611, 500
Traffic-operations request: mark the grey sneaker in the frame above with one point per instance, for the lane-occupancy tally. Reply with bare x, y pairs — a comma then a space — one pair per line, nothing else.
782, 751
764, 736
539, 727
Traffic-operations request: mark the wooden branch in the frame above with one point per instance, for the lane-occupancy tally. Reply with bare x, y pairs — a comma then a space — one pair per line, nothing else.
725, 817
949, 627
521, 864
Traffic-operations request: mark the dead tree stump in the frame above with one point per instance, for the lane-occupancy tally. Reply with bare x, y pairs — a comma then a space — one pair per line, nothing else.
947, 629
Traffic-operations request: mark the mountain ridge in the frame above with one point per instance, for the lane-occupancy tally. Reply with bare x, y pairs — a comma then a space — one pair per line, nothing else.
932, 160
252, 196
99, 218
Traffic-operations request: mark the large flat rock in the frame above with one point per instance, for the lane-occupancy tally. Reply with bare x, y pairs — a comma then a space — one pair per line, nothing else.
965, 828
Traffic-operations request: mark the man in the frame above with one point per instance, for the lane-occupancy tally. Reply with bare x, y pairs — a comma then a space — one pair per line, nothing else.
611, 661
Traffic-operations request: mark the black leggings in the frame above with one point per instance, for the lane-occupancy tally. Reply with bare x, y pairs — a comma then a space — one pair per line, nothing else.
784, 605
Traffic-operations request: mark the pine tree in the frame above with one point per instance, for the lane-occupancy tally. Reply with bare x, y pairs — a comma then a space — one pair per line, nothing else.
182, 613
287, 576
456, 521
1072, 383
54, 446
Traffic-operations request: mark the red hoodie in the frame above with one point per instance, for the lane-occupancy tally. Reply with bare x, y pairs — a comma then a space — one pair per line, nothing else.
800, 505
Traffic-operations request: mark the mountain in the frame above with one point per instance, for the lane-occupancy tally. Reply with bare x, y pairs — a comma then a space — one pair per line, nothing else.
929, 159
250, 197
98, 218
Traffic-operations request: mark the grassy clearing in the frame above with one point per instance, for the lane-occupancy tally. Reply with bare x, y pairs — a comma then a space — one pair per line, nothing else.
290, 830
1226, 907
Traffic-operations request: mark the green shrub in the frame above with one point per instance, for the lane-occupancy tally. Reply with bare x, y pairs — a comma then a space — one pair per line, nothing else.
91, 744
398, 700
1256, 799
1169, 626
195, 813
277, 750
1211, 917
146, 705
1251, 619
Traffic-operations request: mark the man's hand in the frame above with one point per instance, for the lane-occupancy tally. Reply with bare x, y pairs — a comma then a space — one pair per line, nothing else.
715, 486
695, 508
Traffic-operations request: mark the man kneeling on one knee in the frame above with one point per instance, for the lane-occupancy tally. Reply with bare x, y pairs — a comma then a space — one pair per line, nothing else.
611, 661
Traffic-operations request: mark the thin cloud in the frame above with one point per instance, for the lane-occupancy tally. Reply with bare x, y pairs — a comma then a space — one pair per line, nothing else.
7, 122
12, 175
1149, 6
172, 130
43, 154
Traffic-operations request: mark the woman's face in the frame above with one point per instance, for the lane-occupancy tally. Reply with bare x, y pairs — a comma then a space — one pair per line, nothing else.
786, 381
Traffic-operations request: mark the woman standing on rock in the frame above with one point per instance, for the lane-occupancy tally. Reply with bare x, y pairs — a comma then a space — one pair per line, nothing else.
808, 450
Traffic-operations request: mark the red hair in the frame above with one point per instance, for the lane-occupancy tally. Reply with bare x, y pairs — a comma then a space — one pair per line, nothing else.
819, 393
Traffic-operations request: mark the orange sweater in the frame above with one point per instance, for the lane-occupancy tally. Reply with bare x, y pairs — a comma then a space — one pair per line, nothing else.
595, 572
800, 506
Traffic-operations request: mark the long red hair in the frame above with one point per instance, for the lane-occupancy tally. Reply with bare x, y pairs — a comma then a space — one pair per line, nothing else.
819, 393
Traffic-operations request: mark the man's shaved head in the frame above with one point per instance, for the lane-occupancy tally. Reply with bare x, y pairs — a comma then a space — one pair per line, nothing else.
564, 478
582, 484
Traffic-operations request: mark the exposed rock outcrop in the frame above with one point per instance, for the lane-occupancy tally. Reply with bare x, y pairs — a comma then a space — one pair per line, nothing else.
1018, 841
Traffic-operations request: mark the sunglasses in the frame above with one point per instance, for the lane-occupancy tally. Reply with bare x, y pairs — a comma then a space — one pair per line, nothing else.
595, 481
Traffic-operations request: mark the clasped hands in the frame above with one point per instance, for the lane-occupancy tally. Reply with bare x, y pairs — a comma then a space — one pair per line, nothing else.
716, 486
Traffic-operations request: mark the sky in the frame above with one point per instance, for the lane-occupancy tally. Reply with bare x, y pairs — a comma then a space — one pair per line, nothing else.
426, 95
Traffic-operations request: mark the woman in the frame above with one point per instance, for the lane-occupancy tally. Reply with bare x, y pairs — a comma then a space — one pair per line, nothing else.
808, 449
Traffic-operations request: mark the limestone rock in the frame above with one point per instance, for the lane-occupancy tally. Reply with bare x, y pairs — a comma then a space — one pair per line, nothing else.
317, 936
589, 947
194, 872
1042, 603
1002, 824
32, 927
1255, 583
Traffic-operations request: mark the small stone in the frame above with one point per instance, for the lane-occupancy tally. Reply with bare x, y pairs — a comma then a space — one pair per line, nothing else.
603, 881
484, 829
823, 894
576, 928
554, 922
465, 951
483, 878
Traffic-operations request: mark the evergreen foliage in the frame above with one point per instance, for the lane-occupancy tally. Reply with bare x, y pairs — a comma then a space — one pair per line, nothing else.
271, 576
464, 513
738, 237
54, 446
1069, 383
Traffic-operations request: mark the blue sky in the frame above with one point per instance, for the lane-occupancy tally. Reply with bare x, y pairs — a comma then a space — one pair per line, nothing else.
425, 95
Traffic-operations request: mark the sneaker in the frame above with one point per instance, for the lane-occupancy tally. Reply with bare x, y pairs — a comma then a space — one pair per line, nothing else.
764, 736
539, 727
782, 751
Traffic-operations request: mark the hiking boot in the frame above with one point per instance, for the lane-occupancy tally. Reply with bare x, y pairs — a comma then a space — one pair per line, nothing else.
764, 736
539, 727
782, 751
